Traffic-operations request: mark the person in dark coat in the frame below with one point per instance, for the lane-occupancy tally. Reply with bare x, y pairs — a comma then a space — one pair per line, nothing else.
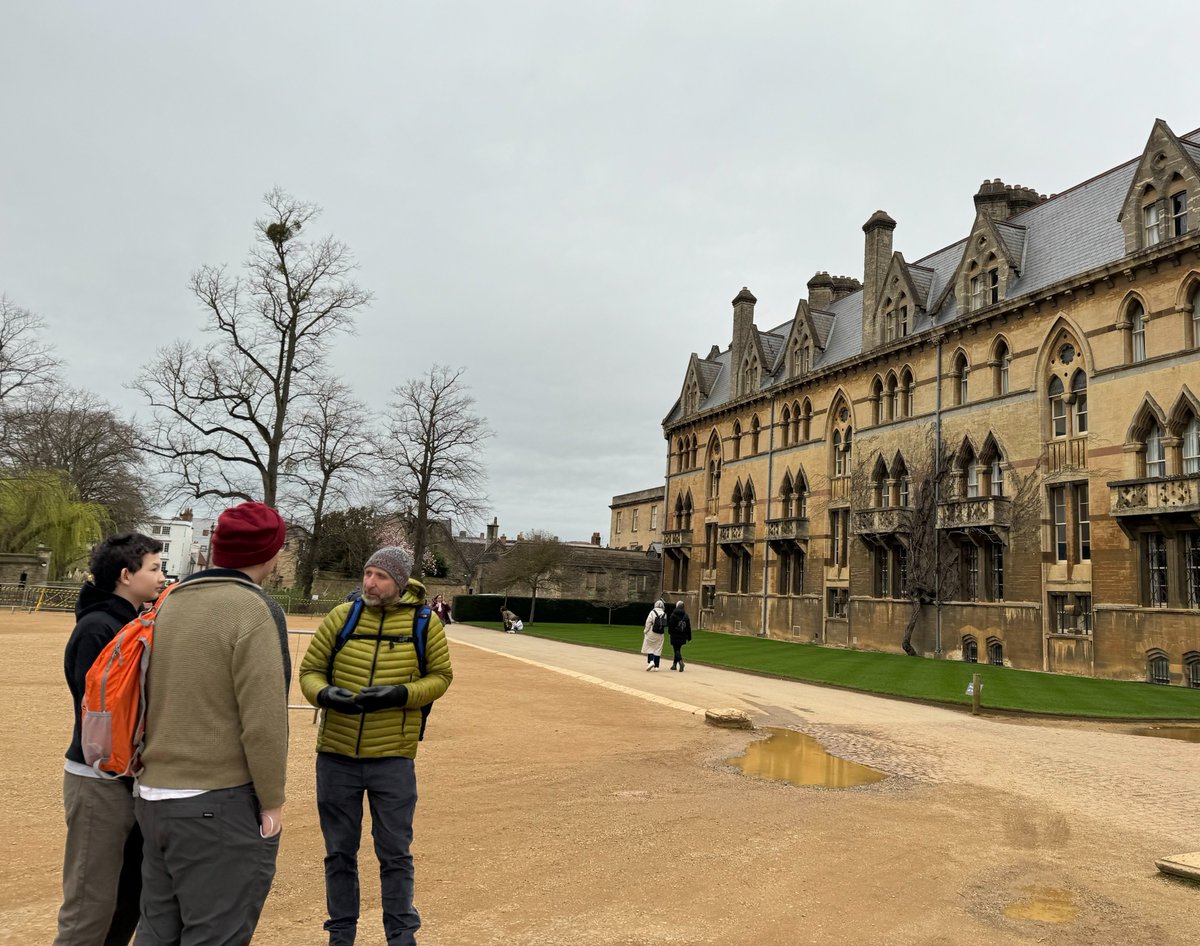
679, 628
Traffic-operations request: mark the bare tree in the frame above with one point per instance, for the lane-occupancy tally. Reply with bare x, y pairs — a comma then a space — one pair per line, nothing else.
223, 412
74, 432
433, 449
615, 591
333, 447
27, 362
535, 559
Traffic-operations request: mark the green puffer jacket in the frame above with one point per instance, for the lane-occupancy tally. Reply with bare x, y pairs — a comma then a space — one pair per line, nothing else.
366, 660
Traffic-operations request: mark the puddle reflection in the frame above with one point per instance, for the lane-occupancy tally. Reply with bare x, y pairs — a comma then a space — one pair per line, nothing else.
791, 756
1185, 733
1045, 905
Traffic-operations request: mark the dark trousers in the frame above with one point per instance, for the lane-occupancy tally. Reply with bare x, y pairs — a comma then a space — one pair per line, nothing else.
391, 789
206, 869
678, 659
102, 863
653, 659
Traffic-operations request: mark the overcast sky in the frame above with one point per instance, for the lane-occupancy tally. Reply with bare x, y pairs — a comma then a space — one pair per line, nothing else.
561, 197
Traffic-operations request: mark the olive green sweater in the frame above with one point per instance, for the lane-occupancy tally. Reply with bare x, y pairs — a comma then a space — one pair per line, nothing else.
370, 659
217, 689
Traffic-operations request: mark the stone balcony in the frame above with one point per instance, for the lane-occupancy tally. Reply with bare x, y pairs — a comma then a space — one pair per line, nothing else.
976, 512
795, 529
1066, 454
677, 538
886, 520
1156, 496
736, 533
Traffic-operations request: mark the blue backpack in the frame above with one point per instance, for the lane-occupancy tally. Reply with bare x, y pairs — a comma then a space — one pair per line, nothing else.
417, 639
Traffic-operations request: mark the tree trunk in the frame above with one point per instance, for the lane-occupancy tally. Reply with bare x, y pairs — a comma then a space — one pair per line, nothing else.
912, 626
532, 603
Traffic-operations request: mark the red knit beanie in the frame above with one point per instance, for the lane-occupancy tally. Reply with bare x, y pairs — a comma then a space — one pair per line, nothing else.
248, 534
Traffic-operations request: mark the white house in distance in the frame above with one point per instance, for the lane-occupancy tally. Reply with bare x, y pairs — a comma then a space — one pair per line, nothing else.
176, 538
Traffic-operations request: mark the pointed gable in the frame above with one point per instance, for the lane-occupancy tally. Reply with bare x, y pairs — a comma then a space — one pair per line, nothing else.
901, 298
1163, 200
804, 341
991, 261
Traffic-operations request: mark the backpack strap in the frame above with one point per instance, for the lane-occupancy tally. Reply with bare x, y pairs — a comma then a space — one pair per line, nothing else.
420, 634
339, 642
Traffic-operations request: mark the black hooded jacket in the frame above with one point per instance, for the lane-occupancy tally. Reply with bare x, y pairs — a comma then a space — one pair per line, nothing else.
680, 627
98, 615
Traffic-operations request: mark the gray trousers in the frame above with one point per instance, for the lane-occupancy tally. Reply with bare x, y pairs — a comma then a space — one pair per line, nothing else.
206, 869
102, 863
391, 789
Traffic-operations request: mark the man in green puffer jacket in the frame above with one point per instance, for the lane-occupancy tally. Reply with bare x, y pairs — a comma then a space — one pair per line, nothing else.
372, 692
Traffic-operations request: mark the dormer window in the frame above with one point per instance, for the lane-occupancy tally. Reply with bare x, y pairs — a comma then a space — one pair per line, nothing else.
1179, 213
1151, 232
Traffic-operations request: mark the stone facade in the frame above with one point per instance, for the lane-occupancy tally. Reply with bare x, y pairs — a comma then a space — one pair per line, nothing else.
1051, 362
637, 519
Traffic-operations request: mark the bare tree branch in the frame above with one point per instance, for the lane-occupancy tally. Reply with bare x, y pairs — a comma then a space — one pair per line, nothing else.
27, 362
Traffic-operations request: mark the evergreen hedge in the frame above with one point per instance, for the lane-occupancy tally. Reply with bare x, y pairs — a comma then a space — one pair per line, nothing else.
470, 608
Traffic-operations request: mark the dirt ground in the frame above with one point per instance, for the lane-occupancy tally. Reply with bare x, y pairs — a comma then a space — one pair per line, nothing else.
555, 811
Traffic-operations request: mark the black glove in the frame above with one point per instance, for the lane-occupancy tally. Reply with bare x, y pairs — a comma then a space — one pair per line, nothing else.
370, 699
340, 699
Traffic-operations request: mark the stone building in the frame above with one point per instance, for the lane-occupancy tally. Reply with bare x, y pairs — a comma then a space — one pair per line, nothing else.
637, 519
1039, 378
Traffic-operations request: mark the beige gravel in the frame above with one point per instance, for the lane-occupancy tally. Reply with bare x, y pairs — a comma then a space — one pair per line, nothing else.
567, 797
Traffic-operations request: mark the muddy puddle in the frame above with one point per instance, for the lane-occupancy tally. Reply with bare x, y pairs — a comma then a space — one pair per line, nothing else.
1043, 905
1184, 733
791, 756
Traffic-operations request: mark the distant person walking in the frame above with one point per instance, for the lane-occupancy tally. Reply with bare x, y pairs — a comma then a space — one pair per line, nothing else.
655, 631
679, 628
441, 609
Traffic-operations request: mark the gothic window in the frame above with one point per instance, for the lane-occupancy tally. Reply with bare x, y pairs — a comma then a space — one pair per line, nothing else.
754, 435
786, 496
908, 393
687, 510
800, 356
1155, 456
1190, 456
679, 513
736, 440
877, 411
1151, 222
991, 469
891, 397
1000, 367
995, 652
901, 483
959, 375
1194, 321
785, 425
736, 502
1157, 586
749, 375
695, 452
1079, 403
806, 421
879, 485
970, 466
1158, 667
1179, 213
970, 649
1058, 408
1134, 324
839, 468
748, 502
801, 496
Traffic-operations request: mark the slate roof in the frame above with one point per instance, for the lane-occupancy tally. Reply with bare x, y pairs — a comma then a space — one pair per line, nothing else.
1070, 233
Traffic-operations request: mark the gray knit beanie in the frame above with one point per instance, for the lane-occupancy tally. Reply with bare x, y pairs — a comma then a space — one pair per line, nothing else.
394, 560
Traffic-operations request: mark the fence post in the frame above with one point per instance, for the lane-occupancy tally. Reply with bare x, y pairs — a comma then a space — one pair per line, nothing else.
976, 693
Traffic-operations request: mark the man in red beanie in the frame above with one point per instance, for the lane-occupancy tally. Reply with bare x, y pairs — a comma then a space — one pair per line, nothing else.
211, 794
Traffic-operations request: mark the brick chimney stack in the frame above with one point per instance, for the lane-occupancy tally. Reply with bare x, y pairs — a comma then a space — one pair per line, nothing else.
743, 325
1001, 201
596, 539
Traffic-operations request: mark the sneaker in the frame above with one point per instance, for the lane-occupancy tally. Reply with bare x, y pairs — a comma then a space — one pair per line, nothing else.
649, 667
656, 668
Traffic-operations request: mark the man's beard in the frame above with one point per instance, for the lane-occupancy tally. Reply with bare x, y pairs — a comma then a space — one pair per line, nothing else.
377, 601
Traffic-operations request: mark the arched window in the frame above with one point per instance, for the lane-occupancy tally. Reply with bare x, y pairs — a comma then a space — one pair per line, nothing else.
1000, 363
806, 421
970, 469
679, 512
970, 649
877, 401
695, 452
736, 501
1151, 217
1137, 332
961, 370
687, 510
908, 393
748, 502
1156, 457
891, 397
754, 432
992, 469
1195, 319
1191, 446
1058, 408
1158, 667
785, 425
800, 496
1079, 403
839, 468
795, 422
879, 485
995, 652
735, 440
1191, 668
846, 447
902, 484
786, 495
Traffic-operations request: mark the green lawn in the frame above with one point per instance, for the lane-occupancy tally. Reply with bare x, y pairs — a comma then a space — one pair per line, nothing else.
939, 681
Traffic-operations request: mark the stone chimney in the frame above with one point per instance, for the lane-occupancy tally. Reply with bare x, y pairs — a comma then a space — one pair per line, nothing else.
596, 539
1001, 201
743, 325
713, 353
820, 290
877, 256
186, 515
493, 530
844, 286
